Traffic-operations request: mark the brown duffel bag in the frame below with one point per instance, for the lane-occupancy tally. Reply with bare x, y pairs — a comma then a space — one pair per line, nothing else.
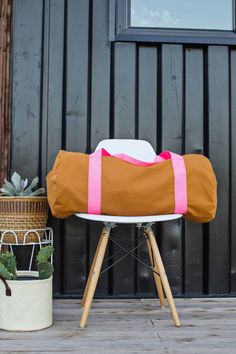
129, 189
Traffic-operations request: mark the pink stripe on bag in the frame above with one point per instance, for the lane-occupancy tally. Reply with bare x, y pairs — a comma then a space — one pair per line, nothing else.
94, 182
180, 180
95, 176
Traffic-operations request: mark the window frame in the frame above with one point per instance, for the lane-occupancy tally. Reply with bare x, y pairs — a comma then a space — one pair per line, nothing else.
120, 29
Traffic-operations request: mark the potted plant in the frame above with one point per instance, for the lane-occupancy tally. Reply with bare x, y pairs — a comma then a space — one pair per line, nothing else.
26, 296
22, 207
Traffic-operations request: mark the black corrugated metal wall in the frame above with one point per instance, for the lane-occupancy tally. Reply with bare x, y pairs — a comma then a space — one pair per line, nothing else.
72, 88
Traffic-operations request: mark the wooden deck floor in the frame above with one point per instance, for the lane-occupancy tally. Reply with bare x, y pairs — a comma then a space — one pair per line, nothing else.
133, 326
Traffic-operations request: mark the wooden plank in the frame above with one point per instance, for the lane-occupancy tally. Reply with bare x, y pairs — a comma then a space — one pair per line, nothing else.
45, 93
77, 124
172, 121
74, 275
27, 46
193, 145
26, 94
55, 81
147, 130
5, 85
233, 169
77, 57
218, 77
112, 19
147, 99
124, 124
124, 95
100, 108
52, 101
128, 326
101, 56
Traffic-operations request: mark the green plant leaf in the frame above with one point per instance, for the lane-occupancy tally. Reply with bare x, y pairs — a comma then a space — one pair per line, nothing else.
45, 270
39, 191
9, 190
7, 183
16, 180
9, 261
32, 185
18, 187
25, 183
44, 254
4, 273
3, 190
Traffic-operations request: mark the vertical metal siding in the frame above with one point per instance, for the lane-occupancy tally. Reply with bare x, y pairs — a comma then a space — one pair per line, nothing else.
72, 88
5, 85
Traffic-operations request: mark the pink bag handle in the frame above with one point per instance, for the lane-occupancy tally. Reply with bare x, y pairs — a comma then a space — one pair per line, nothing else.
180, 181
95, 176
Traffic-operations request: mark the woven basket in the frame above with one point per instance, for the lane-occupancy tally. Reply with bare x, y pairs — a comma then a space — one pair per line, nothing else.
23, 213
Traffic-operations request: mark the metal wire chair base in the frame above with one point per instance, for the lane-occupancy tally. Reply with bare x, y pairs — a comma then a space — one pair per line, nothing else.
128, 252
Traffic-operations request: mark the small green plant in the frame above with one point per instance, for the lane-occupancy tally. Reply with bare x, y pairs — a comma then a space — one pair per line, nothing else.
18, 187
45, 268
4, 273
7, 266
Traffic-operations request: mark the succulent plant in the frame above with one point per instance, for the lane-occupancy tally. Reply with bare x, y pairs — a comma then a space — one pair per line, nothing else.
18, 187
45, 268
44, 254
4, 273
7, 266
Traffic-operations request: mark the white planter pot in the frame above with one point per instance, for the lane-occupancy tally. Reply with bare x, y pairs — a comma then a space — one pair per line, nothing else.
29, 307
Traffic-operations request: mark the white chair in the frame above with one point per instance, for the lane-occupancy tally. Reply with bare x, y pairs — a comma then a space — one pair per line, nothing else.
141, 150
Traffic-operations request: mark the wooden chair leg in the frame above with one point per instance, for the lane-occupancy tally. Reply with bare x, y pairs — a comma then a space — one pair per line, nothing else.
95, 275
164, 279
157, 278
91, 272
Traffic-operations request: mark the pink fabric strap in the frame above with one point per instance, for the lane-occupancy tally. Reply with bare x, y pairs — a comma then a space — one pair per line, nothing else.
94, 182
95, 176
180, 181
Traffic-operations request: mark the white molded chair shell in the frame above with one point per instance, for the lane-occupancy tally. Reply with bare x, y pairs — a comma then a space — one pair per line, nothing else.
141, 150
129, 219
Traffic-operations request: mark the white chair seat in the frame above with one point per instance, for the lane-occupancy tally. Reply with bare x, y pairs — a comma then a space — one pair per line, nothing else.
129, 219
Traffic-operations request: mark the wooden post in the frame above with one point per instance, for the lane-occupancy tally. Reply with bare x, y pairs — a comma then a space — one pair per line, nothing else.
164, 279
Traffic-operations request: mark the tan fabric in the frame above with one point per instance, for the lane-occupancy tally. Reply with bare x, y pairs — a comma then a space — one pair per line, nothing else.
131, 190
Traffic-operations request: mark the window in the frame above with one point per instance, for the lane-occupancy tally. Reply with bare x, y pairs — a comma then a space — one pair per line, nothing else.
188, 14
174, 21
